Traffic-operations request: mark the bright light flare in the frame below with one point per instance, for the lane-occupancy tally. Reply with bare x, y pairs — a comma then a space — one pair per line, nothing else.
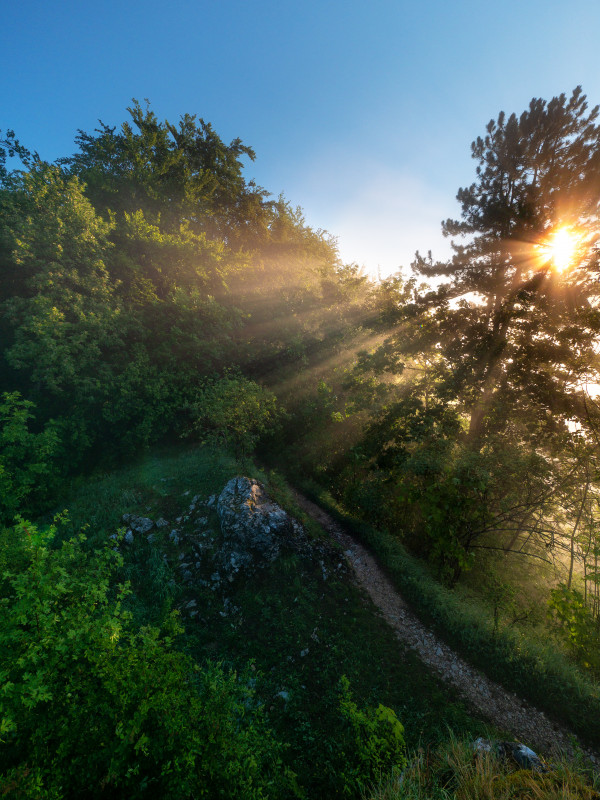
561, 248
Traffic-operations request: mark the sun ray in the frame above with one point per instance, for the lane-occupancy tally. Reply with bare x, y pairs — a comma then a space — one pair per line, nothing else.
561, 248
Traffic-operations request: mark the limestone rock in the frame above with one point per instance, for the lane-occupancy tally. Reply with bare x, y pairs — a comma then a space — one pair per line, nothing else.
253, 526
518, 752
138, 524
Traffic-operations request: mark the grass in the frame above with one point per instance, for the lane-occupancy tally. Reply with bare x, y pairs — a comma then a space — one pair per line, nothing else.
453, 772
153, 486
529, 667
299, 621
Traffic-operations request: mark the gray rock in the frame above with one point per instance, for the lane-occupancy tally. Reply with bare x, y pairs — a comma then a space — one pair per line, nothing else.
518, 752
526, 758
252, 524
161, 523
139, 524
129, 537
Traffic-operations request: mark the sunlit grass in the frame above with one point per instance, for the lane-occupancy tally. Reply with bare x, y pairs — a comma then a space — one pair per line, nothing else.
452, 772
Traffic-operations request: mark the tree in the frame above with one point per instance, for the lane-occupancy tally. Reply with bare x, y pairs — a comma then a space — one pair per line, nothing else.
519, 334
508, 343
28, 466
182, 172
234, 411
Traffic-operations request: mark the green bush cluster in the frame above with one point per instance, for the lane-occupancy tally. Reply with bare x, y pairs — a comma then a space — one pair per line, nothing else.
28, 460
373, 739
91, 705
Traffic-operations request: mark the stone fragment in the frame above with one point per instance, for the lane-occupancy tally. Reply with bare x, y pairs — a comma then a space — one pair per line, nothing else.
138, 524
517, 751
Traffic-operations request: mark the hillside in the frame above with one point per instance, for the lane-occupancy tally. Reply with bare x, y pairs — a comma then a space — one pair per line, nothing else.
167, 325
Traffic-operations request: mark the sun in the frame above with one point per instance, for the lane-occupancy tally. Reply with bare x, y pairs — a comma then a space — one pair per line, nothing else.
561, 248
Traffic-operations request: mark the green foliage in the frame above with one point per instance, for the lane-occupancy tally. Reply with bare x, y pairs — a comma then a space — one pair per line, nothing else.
146, 262
234, 411
182, 171
72, 662
28, 468
577, 625
374, 739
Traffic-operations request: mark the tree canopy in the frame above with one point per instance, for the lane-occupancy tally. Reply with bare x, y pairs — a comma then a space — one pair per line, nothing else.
495, 356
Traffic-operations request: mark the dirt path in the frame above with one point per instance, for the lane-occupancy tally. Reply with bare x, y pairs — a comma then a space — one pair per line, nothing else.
490, 700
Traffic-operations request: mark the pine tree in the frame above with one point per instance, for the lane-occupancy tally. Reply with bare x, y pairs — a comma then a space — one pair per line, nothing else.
513, 331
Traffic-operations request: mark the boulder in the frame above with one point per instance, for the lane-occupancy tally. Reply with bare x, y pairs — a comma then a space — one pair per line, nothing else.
254, 527
515, 751
138, 524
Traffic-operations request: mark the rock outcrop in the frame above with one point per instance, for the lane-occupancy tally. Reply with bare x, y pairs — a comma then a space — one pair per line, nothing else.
254, 528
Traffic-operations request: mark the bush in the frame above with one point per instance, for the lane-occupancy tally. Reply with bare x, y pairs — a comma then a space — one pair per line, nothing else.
373, 740
234, 411
27, 466
577, 625
89, 705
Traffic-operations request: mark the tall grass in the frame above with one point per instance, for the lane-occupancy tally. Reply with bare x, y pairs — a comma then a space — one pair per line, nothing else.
453, 772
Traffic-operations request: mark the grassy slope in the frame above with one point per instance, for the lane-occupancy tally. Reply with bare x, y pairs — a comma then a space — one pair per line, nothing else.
292, 606
531, 668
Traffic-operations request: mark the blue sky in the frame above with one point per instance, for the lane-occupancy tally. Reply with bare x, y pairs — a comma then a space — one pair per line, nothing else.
361, 113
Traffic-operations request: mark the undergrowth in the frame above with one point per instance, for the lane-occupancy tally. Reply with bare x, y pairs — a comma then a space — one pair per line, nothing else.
453, 772
529, 667
310, 636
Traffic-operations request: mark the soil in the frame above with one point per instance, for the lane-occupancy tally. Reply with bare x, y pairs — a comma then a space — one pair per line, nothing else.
488, 699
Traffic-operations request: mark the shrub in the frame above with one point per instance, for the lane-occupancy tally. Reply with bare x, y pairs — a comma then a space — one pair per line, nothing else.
90, 705
235, 411
373, 740
27, 467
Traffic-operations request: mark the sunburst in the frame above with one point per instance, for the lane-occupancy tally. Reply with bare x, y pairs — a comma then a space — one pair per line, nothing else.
561, 248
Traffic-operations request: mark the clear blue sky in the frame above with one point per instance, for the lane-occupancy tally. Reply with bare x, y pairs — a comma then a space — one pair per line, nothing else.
361, 113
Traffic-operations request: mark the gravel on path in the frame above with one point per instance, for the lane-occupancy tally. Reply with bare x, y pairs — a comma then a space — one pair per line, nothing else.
501, 707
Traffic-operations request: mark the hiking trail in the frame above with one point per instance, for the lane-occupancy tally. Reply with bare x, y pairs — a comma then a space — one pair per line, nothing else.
501, 707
